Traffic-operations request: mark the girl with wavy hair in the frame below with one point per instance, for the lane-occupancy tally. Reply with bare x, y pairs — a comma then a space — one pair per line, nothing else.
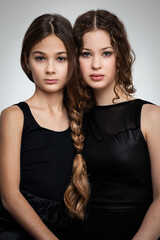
36, 148
122, 136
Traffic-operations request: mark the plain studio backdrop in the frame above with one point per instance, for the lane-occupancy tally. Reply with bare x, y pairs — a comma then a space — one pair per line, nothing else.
140, 17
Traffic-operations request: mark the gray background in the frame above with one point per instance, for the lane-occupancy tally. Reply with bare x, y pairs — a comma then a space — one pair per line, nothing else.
141, 18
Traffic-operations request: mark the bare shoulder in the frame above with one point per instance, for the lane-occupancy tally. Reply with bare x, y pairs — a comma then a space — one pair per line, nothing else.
150, 118
11, 112
151, 113
11, 116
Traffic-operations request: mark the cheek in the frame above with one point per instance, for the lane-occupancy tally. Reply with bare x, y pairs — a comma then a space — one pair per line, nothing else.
112, 66
66, 67
63, 71
61, 66
35, 69
83, 67
37, 73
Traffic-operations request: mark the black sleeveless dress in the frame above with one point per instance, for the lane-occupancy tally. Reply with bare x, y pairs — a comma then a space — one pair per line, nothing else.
46, 165
118, 166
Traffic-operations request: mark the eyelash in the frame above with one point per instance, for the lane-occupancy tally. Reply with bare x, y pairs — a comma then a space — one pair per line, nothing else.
60, 59
107, 53
85, 54
88, 54
40, 58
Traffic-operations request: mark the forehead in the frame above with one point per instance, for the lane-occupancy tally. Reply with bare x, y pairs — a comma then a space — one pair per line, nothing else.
98, 38
51, 42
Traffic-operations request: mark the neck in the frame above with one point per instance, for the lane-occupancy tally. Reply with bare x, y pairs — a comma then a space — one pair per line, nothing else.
48, 100
104, 97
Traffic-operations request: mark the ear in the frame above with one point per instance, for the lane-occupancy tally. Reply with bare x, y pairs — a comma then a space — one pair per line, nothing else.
27, 62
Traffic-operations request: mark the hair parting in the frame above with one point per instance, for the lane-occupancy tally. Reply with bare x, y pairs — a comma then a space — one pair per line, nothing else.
95, 21
51, 24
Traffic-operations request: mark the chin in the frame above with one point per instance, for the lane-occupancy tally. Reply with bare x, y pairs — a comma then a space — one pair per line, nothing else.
95, 87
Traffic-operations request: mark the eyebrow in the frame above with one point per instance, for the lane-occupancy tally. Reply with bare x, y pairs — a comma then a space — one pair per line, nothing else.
101, 49
39, 52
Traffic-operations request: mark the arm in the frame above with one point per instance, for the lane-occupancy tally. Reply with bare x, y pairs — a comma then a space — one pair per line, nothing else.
11, 125
150, 124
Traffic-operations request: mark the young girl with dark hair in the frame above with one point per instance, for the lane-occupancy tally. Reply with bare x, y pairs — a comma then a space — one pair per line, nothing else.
36, 148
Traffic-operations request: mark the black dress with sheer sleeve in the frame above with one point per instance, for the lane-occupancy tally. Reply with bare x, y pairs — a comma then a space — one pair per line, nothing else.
46, 165
118, 165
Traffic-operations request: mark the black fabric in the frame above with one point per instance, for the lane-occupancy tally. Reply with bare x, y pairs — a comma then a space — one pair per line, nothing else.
53, 213
46, 165
117, 156
107, 225
15, 235
46, 158
118, 166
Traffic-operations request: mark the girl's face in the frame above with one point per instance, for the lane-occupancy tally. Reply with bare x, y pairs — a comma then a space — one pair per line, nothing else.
48, 64
98, 61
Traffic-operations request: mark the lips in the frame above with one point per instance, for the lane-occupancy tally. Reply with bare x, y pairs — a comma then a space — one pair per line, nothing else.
96, 77
51, 81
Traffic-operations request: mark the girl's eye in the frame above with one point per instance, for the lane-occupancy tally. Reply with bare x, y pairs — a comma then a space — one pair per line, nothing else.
40, 58
61, 59
85, 54
107, 53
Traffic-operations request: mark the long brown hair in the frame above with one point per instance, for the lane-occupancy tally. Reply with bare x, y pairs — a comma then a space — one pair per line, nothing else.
104, 20
77, 193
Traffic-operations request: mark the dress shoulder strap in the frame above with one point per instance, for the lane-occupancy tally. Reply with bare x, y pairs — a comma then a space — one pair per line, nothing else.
138, 109
29, 122
22, 106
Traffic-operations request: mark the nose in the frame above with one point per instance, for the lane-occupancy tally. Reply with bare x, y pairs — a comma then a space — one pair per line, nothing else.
96, 62
50, 67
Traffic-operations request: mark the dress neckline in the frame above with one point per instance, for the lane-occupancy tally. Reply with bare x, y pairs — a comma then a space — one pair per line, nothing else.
116, 105
47, 129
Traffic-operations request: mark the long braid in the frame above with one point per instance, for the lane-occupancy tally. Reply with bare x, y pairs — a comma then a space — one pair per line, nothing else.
77, 194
